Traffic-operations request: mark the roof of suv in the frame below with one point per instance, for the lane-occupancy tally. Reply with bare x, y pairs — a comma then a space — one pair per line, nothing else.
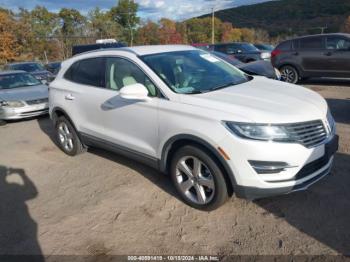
330, 34
146, 50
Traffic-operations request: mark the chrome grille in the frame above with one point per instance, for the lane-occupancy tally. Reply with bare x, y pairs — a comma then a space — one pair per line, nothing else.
37, 101
309, 133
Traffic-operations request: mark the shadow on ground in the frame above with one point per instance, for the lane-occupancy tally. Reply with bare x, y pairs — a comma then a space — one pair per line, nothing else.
161, 180
323, 211
18, 231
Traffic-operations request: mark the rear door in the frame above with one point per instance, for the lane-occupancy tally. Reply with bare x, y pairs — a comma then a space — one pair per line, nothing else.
337, 54
129, 124
311, 52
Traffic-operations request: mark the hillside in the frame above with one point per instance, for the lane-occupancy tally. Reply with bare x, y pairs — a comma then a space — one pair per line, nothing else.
289, 17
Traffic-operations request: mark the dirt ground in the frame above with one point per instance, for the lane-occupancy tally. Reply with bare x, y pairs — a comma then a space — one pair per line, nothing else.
102, 203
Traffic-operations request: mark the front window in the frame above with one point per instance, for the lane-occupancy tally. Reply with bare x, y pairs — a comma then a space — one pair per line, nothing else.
194, 71
337, 43
32, 67
17, 80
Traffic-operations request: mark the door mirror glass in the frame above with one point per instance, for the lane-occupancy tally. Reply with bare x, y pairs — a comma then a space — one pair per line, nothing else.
134, 92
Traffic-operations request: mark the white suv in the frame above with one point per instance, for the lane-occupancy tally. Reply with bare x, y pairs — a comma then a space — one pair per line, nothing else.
214, 129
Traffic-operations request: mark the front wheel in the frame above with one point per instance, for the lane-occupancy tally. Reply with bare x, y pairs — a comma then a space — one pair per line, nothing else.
289, 74
198, 178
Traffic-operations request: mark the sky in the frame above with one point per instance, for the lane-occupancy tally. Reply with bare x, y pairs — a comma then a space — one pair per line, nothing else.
148, 9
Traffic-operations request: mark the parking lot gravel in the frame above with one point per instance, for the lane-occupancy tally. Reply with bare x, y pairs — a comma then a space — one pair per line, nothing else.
100, 203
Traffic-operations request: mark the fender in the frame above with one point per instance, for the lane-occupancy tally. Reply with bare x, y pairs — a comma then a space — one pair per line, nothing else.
164, 166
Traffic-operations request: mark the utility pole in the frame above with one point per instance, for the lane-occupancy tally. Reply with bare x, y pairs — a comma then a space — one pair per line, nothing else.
213, 26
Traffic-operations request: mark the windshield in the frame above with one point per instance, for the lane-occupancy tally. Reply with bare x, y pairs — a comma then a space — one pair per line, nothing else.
265, 47
32, 67
17, 80
248, 48
194, 71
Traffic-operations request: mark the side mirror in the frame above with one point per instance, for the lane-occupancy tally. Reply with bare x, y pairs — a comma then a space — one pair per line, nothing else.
134, 92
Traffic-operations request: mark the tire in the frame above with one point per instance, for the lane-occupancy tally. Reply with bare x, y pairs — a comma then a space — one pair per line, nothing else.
289, 74
67, 137
205, 190
2, 122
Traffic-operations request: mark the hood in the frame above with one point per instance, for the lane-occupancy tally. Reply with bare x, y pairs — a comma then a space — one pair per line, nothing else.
262, 100
260, 67
24, 93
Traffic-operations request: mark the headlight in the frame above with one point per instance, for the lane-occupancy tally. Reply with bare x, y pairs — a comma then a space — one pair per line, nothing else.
331, 122
263, 132
11, 103
265, 55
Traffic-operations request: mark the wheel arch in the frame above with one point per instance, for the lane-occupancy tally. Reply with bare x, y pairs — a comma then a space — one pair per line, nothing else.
177, 141
57, 112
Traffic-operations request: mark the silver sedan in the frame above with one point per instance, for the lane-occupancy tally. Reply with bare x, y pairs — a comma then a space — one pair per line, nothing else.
22, 96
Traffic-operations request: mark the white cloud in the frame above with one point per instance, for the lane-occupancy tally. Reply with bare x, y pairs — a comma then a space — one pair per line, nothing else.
182, 9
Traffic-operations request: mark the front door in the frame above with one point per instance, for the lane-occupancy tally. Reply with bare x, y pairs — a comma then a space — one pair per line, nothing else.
338, 55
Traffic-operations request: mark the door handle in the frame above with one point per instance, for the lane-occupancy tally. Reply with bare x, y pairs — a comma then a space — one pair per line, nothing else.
295, 53
328, 53
69, 97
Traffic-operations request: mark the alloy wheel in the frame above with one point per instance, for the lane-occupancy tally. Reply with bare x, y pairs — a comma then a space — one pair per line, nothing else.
65, 137
195, 180
289, 75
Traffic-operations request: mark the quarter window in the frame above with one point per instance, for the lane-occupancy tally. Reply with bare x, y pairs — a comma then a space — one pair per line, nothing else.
285, 46
121, 72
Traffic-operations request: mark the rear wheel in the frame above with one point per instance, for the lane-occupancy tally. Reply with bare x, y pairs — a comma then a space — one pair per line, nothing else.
67, 137
289, 74
198, 178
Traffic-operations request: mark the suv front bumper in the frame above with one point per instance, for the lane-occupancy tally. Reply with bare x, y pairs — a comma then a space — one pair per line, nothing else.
308, 167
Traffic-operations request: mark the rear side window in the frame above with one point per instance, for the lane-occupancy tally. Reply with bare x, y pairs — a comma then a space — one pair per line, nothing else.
220, 48
88, 72
285, 46
311, 43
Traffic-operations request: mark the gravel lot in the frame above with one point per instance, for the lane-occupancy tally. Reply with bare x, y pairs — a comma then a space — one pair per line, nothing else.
100, 203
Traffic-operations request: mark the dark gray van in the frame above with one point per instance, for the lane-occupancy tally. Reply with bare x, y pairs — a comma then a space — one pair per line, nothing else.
326, 55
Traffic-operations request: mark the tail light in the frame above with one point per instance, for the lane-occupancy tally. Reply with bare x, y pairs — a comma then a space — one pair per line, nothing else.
276, 52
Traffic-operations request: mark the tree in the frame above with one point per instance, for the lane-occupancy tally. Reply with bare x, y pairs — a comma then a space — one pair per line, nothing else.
73, 26
43, 22
72, 21
199, 30
230, 34
346, 25
247, 35
125, 14
101, 24
9, 46
168, 33
148, 34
